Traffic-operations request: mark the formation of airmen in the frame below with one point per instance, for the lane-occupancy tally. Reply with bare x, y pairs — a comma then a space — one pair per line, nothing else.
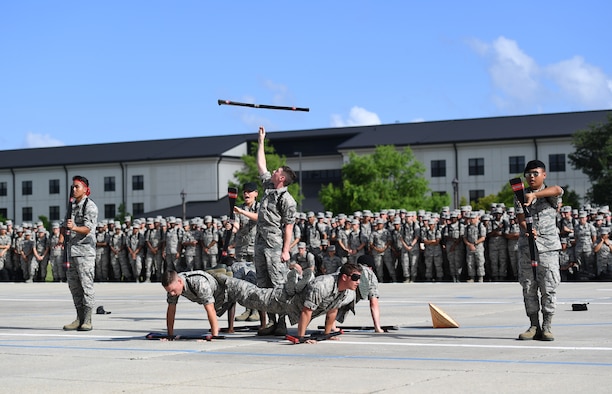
453, 245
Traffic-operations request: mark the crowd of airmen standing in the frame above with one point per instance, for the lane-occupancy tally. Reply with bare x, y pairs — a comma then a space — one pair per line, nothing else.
453, 245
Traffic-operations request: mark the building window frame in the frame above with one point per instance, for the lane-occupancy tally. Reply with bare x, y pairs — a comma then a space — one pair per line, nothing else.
556, 162
476, 166
26, 188
137, 182
438, 168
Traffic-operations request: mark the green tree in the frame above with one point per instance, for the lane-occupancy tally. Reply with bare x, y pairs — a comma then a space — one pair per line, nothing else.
250, 172
45, 222
593, 156
387, 178
121, 213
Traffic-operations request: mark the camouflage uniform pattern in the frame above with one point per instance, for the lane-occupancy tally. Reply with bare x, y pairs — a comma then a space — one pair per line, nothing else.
277, 209
82, 255
548, 246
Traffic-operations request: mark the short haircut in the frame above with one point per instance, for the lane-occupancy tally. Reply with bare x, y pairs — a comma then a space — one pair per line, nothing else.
533, 164
289, 175
349, 268
80, 179
168, 277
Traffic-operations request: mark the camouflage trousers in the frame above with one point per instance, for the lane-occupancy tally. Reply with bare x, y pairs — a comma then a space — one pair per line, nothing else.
81, 281
475, 261
270, 270
282, 300
498, 255
546, 281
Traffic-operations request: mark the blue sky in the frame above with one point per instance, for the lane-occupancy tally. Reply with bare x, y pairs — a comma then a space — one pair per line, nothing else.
86, 72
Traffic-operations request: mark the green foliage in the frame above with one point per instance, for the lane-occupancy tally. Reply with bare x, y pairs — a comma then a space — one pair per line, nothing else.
45, 222
387, 178
571, 198
250, 172
505, 196
593, 155
121, 213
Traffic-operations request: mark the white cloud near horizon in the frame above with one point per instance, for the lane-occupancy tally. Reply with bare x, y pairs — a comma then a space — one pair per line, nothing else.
358, 116
37, 140
520, 82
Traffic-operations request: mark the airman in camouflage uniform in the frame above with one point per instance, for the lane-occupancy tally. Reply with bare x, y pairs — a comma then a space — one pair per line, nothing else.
585, 235
56, 253
102, 254
275, 221
28, 269
135, 248
191, 239
118, 258
452, 235
5, 250
82, 254
475, 236
603, 253
431, 236
173, 245
498, 246
210, 242
41, 253
542, 202
331, 262
512, 236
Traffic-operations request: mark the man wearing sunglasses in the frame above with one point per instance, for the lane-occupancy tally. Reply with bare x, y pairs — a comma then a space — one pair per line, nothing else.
542, 202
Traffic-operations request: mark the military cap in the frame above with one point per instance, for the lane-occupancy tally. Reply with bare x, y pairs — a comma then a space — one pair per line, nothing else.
249, 187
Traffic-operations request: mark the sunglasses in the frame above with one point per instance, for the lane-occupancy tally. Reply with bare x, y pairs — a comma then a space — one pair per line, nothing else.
533, 174
355, 277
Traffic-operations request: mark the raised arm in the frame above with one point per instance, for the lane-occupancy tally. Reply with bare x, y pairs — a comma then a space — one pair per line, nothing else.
261, 154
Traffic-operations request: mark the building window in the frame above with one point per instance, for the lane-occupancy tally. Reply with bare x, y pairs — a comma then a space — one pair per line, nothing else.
556, 163
516, 164
26, 214
137, 182
4, 212
3, 189
54, 213
109, 211
476, 166
109, 183
438, 168
137, 208
26, 188
476, 195
54, 186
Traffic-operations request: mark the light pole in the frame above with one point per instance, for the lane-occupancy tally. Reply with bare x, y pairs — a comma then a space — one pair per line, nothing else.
299, 154
183, 195
455, 183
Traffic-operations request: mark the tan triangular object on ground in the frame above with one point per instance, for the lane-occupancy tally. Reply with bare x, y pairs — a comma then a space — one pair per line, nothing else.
440, 319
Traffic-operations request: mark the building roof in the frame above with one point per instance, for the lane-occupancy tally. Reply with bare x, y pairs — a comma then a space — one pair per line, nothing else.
474, 130
178, 148
313, 142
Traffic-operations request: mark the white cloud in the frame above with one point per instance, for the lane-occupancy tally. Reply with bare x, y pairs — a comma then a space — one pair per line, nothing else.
585, 83
519, 82
35, 140
357, 117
